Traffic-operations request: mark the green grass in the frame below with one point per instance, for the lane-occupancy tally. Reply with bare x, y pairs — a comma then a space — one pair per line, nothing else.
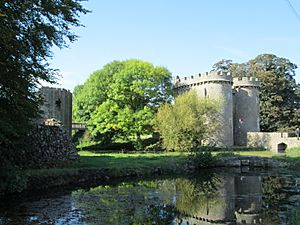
292, 155
251, 153
116, 163
148, 161
294, 149
132, 161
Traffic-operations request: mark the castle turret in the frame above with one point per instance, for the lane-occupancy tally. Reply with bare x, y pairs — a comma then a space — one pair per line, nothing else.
246, 108
216, 86
58, 105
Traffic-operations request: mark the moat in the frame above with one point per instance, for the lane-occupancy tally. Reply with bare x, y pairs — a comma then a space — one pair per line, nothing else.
211, 197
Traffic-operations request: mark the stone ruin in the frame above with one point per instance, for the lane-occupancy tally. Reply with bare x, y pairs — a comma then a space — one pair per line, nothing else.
49, 142
48, 146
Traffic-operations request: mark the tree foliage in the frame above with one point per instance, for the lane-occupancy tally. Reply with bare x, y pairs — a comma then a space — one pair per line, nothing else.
121, 98
187, 123
28, 31
279, 92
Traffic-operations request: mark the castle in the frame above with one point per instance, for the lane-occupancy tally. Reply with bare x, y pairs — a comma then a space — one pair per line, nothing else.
239, 113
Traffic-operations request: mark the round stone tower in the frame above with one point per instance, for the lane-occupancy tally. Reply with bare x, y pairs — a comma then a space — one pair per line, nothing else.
58, 105
246, 108
215, 86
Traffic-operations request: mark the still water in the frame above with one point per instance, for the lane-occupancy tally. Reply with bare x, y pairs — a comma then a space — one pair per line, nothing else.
212, 197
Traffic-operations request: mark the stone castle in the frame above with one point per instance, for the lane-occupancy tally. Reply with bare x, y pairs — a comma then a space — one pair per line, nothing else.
239, 115
240, 109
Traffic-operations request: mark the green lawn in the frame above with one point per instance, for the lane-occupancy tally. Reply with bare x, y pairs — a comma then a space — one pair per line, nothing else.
122, 160
253, 153
117, 163
291, 154
147, 161
163, 160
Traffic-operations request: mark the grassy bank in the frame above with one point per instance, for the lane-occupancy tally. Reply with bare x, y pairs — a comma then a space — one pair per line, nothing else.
122, 160
94, 168
148, 161
292, 155
117, 162
102, 166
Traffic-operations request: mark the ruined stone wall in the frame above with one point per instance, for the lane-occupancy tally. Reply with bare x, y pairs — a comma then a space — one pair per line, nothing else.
271, 140
47, 146
57, 105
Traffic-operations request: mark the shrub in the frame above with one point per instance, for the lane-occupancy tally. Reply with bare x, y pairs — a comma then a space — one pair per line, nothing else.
225, 154
202, 159
156, 147
187, 123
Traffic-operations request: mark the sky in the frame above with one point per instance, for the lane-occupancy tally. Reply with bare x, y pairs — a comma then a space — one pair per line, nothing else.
185, 36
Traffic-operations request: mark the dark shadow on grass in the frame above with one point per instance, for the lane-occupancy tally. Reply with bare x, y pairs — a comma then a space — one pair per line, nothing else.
118, 147
110, 148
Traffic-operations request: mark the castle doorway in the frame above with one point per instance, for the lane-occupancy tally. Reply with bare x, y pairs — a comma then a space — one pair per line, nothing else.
281, 147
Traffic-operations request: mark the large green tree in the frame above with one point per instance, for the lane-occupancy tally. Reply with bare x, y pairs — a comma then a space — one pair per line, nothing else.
188, 122
122, 98
279, 92
29, 29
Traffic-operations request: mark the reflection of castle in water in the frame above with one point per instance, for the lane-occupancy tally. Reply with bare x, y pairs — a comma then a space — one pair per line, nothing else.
238, 200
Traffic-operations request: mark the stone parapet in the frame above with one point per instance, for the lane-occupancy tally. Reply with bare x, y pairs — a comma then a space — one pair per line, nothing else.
245, 82
55, 89
202, 78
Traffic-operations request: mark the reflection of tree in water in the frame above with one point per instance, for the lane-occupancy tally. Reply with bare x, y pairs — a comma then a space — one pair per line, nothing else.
271, 187
274, 197
127, 203
216, 198
144, 202
197, 194
222, 199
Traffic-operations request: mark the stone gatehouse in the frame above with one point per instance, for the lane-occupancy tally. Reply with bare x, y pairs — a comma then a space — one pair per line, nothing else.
240, 111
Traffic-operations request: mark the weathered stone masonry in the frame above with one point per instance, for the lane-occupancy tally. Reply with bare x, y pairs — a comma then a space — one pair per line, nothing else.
240, 111
57, 105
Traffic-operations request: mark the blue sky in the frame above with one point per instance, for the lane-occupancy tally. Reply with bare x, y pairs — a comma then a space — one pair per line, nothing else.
185, 36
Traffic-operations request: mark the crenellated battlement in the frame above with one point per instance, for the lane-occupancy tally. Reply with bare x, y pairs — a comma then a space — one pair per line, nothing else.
202, 78
245, 82
239, 112
55, 89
